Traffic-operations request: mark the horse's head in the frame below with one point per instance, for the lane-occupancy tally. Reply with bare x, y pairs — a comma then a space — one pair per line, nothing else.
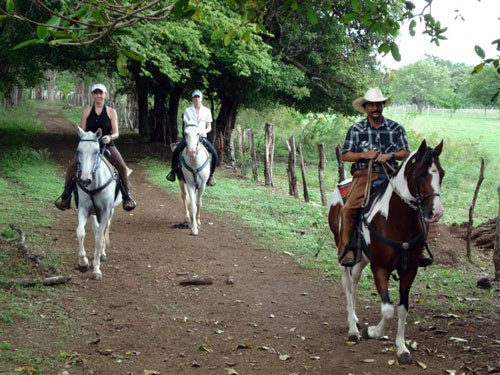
424, 175
88, 155
192, 134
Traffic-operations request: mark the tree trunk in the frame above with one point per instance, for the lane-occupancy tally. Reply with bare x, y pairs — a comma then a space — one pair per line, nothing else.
158, 133
143, 111
132, 111
172, 134
225, 123
51, 75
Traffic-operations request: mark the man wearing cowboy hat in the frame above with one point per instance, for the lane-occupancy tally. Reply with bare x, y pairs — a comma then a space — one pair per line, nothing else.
374, 138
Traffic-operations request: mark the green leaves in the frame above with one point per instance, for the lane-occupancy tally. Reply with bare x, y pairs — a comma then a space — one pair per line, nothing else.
312, 16
395, 52
10, 5
479, 51
27, 43
121, 64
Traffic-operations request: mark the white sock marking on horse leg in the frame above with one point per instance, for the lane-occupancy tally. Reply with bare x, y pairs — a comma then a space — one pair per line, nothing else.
80, 234
387, 312
400, 337
352, 319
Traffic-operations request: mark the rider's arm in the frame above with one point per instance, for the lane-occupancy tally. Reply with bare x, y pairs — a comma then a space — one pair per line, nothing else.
208, 128
356, 156
114, 123
83, 120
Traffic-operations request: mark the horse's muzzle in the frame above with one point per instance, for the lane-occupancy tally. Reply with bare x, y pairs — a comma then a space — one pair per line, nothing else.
85, 183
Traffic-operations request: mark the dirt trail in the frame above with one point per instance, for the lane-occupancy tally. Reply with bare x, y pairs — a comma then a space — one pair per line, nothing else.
149, 322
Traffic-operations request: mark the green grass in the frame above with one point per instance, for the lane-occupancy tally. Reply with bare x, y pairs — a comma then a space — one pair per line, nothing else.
18, 126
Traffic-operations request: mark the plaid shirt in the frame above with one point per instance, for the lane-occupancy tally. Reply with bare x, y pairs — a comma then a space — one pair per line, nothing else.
388, 138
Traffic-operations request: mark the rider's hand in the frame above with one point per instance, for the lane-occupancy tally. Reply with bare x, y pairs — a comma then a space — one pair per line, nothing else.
383, 158
106, 139
204, 135
372, 154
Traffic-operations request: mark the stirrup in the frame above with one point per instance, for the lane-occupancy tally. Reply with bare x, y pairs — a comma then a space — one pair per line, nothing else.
171, 176
129, 203
63, 203
347, 263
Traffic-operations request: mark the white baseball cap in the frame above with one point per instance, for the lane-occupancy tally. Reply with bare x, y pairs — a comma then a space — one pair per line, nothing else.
98, 86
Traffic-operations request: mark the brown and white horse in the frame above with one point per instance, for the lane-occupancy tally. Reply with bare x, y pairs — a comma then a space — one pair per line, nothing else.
394, 230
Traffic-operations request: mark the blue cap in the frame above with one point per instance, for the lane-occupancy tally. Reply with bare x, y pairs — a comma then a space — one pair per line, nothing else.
196, 93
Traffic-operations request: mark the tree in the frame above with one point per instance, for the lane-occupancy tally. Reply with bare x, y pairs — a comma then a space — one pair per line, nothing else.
483, 87
422, 83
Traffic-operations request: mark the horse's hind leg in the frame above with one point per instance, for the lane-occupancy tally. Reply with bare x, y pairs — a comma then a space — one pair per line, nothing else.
83, 262
404, 356
350, 280
387, 310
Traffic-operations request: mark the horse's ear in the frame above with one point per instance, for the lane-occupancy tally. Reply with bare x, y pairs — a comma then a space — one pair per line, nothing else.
439, 148
98, 133
422, 148
80, 131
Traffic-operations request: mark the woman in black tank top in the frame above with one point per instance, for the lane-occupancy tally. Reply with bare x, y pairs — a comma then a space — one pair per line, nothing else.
99, 116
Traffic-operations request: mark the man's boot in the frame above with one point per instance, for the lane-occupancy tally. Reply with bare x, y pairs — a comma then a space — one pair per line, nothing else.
171, 175
424, 261
347, 258
128, 202
211, 180
64, 201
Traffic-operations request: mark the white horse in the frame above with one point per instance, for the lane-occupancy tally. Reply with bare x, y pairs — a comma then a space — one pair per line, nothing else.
195, 164
96, 191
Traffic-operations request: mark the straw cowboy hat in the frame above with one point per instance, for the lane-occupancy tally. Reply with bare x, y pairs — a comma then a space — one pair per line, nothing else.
373, 94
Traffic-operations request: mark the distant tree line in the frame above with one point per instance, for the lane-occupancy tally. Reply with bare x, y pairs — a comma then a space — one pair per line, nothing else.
441, 83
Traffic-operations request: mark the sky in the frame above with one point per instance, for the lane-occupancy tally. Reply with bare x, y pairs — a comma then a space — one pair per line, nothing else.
481, 27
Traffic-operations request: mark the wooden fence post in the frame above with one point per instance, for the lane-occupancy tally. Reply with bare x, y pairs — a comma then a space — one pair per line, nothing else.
292, 175
241, 149
253, 154
338, 153
321, 172
269, 157
471, 208
303, 172
496, 247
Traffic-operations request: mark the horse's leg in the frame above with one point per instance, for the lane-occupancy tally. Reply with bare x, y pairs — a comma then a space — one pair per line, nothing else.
381, 276
83, 262
192, 210
103, 256
185, 204
404, 356
350, 280
198, 205
99, 243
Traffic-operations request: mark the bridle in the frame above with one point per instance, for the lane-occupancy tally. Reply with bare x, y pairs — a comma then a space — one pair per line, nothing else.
198, 142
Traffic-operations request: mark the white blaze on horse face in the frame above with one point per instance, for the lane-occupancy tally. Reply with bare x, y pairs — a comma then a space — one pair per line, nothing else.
192, 136
437, 208
88, 152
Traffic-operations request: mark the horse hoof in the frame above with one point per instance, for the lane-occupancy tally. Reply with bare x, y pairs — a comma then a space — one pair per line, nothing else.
97, 276
83, 269
194, 233
354, 338
405, 359
365, 334
103, 258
